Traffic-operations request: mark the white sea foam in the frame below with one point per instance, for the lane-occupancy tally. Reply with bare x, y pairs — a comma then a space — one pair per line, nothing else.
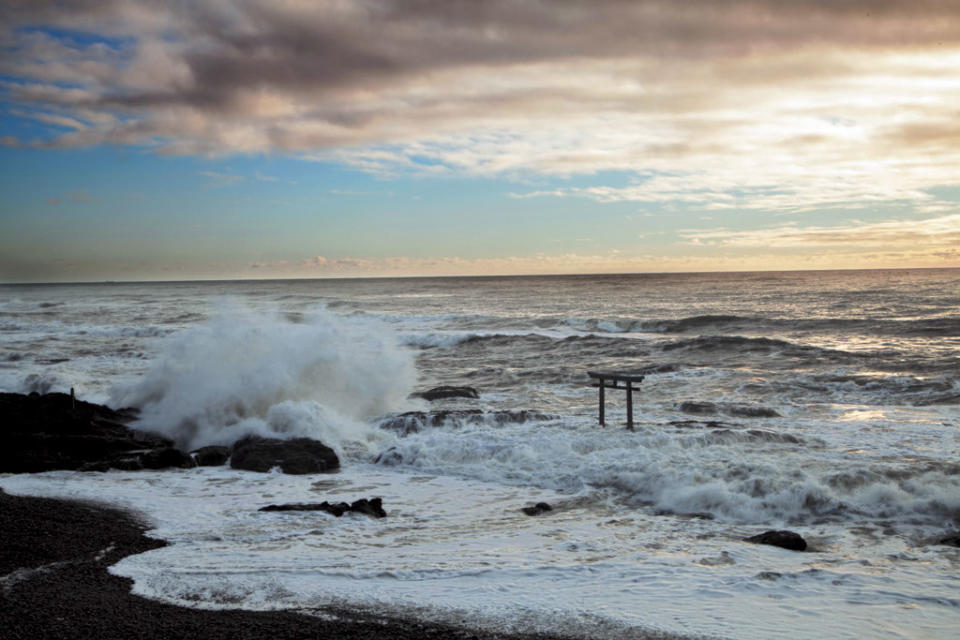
861, 462
247, 372
734, 475
462, 551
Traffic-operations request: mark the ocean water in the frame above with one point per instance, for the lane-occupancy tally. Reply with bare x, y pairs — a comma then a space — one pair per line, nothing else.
827, 403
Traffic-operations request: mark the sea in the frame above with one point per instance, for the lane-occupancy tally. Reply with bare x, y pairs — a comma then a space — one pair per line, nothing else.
824, 403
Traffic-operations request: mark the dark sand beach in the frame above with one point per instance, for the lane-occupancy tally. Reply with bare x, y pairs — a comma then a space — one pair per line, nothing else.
54, 583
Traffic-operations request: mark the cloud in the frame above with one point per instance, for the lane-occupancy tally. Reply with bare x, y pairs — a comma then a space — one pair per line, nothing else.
934, 245
221, 179
937, 236
757, 104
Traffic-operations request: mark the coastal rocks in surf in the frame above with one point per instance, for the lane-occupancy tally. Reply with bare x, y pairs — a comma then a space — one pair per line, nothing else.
784, 539
212, 456
56, 431
952, 540
293, 456
414, 421
372, 507
728, 433
732, 409
537, 509
440, 393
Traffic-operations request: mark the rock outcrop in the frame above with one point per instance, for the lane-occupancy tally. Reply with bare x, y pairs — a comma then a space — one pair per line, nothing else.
55, 431
537, 509
785, 539
212, 456
439, 393
295, 456
413, 421
372, 507
952, 540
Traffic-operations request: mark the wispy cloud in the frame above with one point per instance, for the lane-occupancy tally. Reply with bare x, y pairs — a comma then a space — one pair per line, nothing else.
932, 235
221, 179
728, 104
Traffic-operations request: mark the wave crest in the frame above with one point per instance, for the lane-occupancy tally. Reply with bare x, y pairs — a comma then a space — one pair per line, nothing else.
245, 372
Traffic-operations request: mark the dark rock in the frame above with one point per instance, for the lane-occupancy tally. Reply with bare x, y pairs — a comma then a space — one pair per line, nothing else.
698, 408
295, 456
99, 466
727, 408
773, 436
337, 509
413, 421
166, 458
537, 509
694, 515
749, 411
785, 539
438, 393
132, 463
952, 540
372, 507
52, 431
391, 457
212, 456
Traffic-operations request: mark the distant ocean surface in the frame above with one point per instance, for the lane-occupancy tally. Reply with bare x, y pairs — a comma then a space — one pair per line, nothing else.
827, 403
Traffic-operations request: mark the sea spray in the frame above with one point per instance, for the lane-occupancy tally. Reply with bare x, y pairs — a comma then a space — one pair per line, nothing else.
249, 372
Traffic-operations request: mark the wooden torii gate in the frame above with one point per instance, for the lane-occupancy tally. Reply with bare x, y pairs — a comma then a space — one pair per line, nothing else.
615, 380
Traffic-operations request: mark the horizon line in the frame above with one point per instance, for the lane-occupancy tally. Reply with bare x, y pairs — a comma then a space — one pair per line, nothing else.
475, 275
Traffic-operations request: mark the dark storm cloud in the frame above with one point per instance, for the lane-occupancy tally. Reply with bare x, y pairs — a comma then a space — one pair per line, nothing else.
500, 86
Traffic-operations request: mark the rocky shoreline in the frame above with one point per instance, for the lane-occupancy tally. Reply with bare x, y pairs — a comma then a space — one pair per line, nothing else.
54, 560
54, 583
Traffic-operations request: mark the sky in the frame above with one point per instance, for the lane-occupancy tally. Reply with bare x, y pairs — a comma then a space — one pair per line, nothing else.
209, 139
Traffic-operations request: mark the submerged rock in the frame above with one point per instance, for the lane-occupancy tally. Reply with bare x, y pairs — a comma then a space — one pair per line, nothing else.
731, 409
784, 539
212, 456
414, 421
537, 509
294, 456
439, 393
372, 507
952, 540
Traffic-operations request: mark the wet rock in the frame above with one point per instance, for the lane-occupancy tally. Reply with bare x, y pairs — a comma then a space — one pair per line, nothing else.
414, 421
784, 539
697, 424
54, 431
439, 393
695, 515
130, 463
166, 458
294, 456
391, 457
698, 408
537, 509
952, 540
734, 410
99, 466
773, 436
212, 456
749, 411
372, 507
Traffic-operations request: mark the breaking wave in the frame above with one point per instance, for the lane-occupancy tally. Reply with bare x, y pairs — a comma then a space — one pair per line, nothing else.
245, 372
734, 474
